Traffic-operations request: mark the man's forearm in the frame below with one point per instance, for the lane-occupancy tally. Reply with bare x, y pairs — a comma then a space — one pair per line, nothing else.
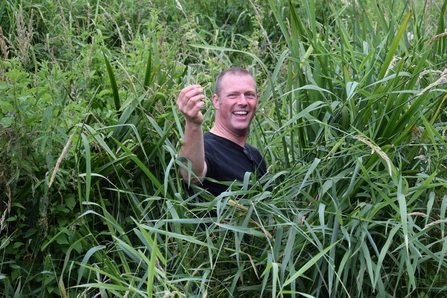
193, 149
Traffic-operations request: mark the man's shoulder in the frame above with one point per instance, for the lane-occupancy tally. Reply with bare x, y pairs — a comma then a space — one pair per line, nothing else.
217, 146
214, 145
208, 136
212, 139
250, 147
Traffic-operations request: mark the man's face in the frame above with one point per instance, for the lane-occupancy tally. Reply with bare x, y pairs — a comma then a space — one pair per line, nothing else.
236, 104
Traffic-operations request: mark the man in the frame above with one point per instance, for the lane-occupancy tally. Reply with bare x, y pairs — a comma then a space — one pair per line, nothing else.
222, 153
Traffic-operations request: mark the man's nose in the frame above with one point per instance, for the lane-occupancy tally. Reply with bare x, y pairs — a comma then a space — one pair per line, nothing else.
242, 100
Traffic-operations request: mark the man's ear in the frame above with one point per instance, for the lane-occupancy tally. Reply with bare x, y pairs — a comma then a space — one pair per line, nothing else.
215, 101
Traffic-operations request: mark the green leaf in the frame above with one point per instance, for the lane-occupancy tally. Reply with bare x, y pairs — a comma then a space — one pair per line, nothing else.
47, 117
62, 239
7, 121
30, 232
70, 200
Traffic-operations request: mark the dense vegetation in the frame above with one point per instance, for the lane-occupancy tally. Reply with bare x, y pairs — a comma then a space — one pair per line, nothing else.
352, 123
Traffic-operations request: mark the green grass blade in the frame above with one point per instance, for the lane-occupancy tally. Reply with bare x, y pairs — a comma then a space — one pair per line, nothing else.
393, 47
309, 264
113, 84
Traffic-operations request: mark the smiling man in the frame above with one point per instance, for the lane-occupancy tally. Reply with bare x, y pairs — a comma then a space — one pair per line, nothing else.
222, 153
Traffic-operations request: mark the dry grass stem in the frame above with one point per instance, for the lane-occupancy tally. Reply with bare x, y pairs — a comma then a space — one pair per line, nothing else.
59, 160
392, 64
435, 223
24, 36
129, 30
7, 209
436, 37
179, 5
442, 80
377, 150
3, 44
417, 214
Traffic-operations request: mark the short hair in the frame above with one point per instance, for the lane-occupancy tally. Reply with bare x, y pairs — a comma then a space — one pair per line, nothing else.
239, 71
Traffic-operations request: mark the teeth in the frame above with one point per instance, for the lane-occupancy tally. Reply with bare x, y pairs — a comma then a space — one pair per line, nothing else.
241, 113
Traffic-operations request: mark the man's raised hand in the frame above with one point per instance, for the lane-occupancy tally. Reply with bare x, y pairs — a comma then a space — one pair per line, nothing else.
190, 101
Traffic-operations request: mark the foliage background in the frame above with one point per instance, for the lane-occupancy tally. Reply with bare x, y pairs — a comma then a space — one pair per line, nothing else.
352, 123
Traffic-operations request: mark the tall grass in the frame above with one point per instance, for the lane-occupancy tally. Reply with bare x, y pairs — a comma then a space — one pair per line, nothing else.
351, 123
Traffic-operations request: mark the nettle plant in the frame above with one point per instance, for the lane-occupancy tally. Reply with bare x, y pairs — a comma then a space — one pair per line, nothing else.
38, 184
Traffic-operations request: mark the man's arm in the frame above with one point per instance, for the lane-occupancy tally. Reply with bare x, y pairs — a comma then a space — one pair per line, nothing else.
190, 102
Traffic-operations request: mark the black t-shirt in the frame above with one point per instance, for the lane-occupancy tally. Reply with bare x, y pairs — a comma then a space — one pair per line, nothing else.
227, 161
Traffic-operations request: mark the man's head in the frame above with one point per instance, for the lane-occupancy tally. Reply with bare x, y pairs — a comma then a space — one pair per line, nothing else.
237, 71
235, 101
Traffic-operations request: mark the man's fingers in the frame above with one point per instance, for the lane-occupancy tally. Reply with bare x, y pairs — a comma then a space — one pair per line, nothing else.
193, 106
190, 91
195, 93
190, 96
190, 101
